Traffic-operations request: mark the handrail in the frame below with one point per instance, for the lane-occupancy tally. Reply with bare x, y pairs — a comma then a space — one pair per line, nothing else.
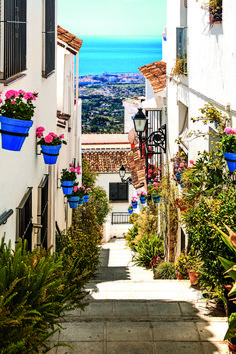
5, 216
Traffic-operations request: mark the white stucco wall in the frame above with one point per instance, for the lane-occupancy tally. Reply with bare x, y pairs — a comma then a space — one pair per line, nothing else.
116, 230
211, 60
25, 169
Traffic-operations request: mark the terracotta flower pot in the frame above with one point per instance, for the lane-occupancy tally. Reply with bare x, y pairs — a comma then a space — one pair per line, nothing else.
193, 277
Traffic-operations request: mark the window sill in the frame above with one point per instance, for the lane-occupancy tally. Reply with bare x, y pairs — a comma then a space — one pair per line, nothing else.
12, 79
45, 76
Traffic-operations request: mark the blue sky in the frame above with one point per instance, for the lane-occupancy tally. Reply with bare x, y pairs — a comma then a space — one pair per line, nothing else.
113, 17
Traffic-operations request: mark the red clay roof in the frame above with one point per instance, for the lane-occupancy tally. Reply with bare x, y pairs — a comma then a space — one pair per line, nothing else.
155, 73
69, 38
106, 161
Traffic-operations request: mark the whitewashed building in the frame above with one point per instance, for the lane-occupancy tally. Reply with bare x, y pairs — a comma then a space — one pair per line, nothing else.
69, 107
209, 56
28, 199
106, 153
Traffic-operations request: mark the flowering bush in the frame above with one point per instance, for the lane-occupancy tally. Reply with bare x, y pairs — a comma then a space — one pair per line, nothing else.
70, 173
18, 104
134, 199
155, 188
180, 162
153, 172
50, 139
142, 194
88, 190
228, 142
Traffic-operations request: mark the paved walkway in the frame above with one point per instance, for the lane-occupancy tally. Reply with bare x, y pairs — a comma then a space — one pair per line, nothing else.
131, 313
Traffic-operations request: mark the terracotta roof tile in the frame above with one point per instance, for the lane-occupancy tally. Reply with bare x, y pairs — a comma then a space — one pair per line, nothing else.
69, 38
155, 73
106, 161
136, 165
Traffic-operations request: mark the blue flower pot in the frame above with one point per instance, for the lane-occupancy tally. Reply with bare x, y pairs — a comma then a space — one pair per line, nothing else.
230, 158
134, 205
50, 153
142, 200
86, 198
130, 211
67, 187
150, 181
14, 132
179, 176
81, 199
73, 201
156, 198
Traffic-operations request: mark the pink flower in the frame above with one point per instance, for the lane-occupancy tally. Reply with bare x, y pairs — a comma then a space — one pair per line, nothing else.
159, 169
191, 161
0, 100
72, 169
228, 130
28, 96
61, 136
234, 131
21, 92
13, 102
48, 139
70, 164
75, 188
53, 134
11, 94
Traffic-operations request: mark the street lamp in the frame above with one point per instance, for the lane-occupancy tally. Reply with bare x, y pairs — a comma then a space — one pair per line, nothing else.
140, 121
122, 172
156, 139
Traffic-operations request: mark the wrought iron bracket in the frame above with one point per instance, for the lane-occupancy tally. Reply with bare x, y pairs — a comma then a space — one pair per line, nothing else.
127, 180
156, 139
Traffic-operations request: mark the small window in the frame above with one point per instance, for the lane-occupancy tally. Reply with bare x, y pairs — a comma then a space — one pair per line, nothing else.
118, 191
49, 38
24, 218
12, 38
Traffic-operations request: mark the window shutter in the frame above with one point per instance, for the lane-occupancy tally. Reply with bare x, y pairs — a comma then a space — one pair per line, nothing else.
49, 45
13, 32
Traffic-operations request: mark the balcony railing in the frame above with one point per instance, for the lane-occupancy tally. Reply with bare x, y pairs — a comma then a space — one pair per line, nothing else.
120, 218
13, 33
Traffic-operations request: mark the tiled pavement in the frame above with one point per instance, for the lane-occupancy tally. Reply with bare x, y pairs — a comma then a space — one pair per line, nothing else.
131, 313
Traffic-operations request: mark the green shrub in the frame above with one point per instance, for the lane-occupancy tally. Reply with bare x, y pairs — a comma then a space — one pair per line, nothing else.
165, 270
76, 246
34, 294
181, 265
205, 240
130, 236
147, 248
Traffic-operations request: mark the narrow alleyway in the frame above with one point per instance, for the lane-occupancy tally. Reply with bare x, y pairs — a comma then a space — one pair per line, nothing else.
131, 313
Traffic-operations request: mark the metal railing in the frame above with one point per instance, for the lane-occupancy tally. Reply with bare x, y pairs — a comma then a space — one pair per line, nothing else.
14, 48
120, 218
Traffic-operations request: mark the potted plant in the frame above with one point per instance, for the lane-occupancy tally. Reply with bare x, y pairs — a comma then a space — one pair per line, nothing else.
50, 145
180, 163
134, 202
88, 191
142, 196
153, 173
130, 209
193, 267
16, 113
77, 195
215, 10
155, 190
228, 144
68, 177
181, 266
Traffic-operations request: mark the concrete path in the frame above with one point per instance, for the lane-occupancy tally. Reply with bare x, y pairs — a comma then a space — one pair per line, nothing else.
131, 313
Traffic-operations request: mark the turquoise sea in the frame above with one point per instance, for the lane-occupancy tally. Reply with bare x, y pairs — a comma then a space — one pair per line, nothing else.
117, 54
